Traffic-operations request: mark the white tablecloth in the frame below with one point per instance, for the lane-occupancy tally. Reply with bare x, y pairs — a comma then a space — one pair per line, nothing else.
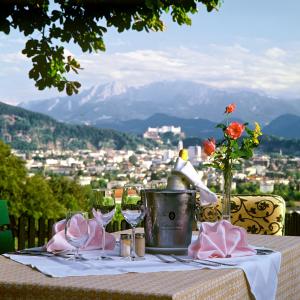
261, 270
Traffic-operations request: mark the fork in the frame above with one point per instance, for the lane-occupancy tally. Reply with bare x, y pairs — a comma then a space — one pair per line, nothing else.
203, 262
178, 259
31, 253
165, 260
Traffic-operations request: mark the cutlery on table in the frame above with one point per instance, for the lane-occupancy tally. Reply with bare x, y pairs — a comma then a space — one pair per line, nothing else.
32, 253
187, 260
105, 257
264, 251
203, 261
163, 259
181, 260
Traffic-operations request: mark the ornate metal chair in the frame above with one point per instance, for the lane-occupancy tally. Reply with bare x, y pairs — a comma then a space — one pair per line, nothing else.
261, 214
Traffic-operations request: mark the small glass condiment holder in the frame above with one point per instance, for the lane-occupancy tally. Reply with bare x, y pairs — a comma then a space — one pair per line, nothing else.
140, 244
125, 241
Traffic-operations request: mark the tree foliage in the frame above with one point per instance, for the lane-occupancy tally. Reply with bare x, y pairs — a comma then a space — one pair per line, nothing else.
84, 23
248, 188
133, 160
12, 178
38, 199
68, 193
37, 196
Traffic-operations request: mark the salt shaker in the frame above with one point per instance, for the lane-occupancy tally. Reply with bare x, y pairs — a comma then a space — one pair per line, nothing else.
125, 242
140, 244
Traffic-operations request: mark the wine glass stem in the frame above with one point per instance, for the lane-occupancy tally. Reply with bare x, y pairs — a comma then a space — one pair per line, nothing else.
132, 250
103, 240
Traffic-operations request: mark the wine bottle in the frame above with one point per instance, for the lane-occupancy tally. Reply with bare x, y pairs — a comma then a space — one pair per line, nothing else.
177, 181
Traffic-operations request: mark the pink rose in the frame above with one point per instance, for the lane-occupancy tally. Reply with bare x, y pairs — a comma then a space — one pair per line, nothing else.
209, 146
235, 130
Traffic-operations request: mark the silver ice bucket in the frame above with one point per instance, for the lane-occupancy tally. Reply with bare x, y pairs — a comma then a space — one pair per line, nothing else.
168, 220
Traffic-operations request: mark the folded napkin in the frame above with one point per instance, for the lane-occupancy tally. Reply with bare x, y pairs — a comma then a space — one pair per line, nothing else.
220, 239
59, 243
187, 169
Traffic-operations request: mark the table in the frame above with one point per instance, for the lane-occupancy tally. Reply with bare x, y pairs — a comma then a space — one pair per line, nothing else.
20, 282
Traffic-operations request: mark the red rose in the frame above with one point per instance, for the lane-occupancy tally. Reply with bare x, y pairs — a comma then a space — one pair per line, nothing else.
235, 130
230, 108
209, 146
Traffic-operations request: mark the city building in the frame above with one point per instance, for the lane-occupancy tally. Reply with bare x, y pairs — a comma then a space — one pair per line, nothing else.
266, 186
154, 132
194, 155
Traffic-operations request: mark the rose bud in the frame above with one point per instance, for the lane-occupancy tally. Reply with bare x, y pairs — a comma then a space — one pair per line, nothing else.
230, 108
209, 146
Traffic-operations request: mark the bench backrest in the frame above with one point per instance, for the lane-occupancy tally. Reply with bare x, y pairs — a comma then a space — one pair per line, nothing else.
260, 214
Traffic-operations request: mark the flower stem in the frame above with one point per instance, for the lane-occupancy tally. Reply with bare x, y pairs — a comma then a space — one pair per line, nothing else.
227, 174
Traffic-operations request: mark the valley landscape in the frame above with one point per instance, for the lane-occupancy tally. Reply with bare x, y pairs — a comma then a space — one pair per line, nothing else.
179, 120
115, 116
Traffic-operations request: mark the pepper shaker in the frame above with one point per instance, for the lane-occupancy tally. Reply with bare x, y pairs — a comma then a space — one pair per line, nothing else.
125, 242
140, 244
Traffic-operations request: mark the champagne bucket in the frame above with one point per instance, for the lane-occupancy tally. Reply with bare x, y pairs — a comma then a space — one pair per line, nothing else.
168, 220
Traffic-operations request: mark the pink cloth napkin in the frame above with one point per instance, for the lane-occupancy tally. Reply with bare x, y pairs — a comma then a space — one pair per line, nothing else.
59, 243
220, 239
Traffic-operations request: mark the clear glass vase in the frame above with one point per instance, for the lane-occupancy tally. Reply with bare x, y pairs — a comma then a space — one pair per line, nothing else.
226, 197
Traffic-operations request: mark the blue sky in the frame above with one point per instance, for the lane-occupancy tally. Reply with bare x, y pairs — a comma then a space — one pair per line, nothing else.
248, 44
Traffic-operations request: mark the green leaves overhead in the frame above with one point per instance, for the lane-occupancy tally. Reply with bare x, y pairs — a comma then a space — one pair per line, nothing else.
50, 65
84, 24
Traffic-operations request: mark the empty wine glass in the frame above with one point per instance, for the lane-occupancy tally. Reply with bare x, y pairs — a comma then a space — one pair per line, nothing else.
77, 230
133, 210
103, 211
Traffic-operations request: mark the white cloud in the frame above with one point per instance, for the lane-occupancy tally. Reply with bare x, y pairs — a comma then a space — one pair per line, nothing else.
12, 58
275, 52
274, 70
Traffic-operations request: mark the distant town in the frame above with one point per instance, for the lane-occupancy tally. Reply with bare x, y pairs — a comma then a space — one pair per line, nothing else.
152, 167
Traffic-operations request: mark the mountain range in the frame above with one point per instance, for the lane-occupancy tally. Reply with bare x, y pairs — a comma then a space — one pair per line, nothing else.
27, 130
285, 126
109, 105
191, 127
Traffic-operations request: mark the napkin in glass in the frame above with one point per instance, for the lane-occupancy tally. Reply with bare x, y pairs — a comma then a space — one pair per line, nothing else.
59, 243
220, 239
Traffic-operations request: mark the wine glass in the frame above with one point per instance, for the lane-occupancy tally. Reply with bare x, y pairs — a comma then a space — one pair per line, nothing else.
103, 211
77, 230
133, 211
